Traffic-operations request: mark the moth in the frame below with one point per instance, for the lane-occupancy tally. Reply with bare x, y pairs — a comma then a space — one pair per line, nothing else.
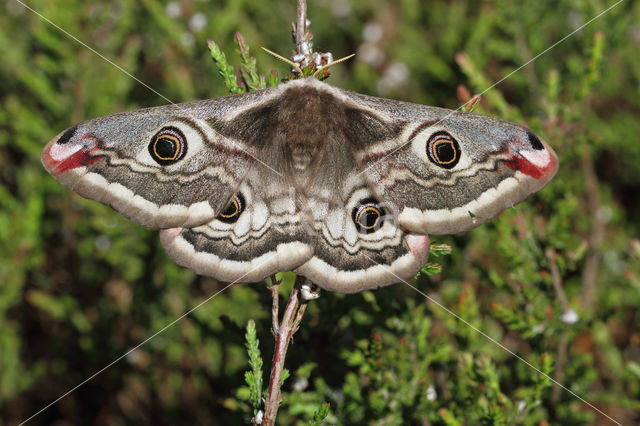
340, 187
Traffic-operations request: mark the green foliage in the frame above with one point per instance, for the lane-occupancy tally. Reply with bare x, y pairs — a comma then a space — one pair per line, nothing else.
79, 284
431, 268
254, 377
320, 414
226, 71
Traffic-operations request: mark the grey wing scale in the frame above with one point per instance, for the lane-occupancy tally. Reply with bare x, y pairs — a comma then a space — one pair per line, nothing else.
260, 235
113, 160
485, 165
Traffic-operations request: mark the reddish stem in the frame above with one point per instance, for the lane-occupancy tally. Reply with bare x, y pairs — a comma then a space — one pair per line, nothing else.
288, 326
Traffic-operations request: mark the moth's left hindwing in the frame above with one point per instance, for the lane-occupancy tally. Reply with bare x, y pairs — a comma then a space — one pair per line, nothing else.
161, 167
261, 232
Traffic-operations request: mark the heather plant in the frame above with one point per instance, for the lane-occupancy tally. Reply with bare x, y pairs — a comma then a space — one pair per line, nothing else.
555, 280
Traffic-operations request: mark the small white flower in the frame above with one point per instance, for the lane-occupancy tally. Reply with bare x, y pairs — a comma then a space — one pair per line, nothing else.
340, 8
570, 316
298, 58
187, 39
372, 33
259, 417
14, 8
371, 54
134, 357
300, 384
172, 9
605, 214
310, 291
431, 393
305, 48
396, 75
197, 22
103, 243
521, 405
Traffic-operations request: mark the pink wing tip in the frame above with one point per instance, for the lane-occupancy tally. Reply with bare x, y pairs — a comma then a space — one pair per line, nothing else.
540, 164
58, 158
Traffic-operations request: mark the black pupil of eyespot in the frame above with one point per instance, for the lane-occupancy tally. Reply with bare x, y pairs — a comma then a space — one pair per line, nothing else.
445, 151
233, 210
368, 216
166, 147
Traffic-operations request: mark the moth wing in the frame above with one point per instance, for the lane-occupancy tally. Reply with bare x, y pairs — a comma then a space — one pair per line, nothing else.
352, 251
448, 171
161, 167
303, 131
264, 236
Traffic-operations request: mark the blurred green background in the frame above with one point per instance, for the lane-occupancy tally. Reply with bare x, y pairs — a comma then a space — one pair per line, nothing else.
556, 279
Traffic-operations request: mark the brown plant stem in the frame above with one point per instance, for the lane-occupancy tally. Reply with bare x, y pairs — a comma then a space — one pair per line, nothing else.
283, 333
556, 279
592, 263
561, 354
301, 23
275, 285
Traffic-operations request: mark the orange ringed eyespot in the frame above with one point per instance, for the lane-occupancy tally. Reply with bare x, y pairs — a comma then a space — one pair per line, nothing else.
232, 211
368, 216
443, 150
168, 146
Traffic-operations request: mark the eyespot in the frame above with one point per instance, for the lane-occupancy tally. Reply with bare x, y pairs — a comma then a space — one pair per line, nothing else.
443, 150
233, 210
534, 141
368, 216
67, 135
168, 146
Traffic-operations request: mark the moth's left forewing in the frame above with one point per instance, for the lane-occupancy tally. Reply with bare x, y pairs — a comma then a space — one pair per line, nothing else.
161, 167
449, 171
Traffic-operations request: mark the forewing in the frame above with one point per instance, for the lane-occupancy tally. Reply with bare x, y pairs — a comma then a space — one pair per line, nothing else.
161, 167
450, 171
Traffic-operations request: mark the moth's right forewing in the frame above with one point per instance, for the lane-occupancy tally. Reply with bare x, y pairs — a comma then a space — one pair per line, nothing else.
449, 171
